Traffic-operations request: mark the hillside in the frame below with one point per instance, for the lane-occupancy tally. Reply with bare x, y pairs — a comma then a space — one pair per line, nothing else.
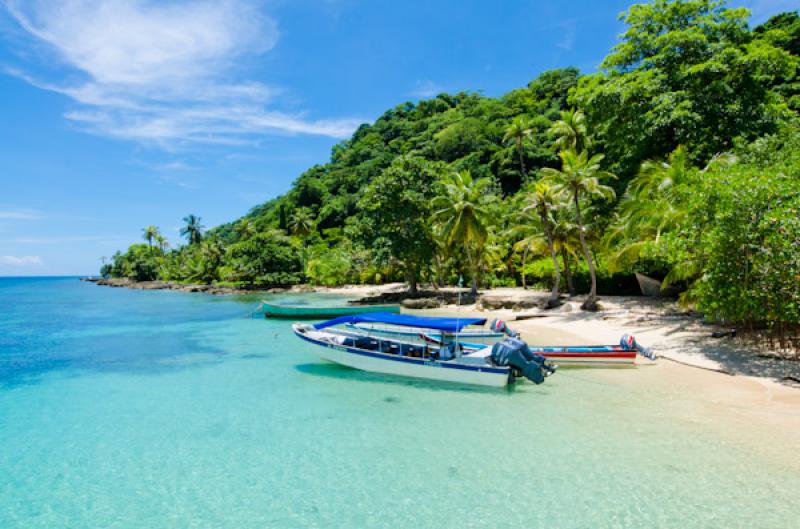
571, 182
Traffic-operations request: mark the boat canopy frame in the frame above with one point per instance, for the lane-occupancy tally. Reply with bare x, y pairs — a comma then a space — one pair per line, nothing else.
446, 325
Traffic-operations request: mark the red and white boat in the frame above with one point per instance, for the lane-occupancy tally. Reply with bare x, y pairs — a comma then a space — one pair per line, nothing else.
619, 355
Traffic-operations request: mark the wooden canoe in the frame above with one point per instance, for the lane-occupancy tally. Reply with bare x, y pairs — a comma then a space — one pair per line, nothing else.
312, 312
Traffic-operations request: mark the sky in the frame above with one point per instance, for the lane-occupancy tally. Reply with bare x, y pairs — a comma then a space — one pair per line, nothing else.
117, 114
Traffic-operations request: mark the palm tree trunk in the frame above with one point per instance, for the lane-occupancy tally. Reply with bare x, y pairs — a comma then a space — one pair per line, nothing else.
568, 271
521, 158
557, 278
593, 292
411, 279
304, 259
524, 260
474, 269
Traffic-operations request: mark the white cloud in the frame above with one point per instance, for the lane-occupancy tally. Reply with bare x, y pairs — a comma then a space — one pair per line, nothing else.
162, 72
61, 240
25, 260
21, 214
426, 88
567, 39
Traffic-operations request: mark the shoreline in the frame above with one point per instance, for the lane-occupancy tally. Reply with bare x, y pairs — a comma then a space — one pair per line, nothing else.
680, 337
221, 290
677, 335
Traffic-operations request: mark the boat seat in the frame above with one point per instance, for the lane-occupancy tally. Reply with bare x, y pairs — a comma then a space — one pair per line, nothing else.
412, 350
479, 357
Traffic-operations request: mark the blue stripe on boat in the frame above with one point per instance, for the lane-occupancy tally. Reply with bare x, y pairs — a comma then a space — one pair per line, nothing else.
397, 358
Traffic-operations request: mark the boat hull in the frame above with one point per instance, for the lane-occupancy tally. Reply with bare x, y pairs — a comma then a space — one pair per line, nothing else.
296, 312
587, 356
428, 369
612, 359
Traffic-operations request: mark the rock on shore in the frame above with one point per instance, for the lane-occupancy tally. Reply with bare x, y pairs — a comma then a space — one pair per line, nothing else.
168, 285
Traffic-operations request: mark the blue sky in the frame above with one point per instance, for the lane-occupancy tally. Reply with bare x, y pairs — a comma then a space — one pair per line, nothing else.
119, 114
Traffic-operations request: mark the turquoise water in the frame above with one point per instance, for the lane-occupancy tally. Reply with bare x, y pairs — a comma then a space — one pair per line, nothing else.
154, 409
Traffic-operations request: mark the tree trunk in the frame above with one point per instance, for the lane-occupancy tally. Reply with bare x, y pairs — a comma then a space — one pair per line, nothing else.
521, 159
524, 260
474, 269
568, 271
557, 279
590, 301
411, 279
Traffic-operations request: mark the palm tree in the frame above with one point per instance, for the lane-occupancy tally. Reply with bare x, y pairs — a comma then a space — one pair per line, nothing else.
149, 234
580, 177
568, 244
441, 254
193, 231
570, 131
543, 199
301, 223
245, 229
529, 239
653, 205
517, 133
463, 216
162, 242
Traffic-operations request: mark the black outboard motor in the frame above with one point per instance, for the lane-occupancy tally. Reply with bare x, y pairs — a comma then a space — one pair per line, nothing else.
516, 353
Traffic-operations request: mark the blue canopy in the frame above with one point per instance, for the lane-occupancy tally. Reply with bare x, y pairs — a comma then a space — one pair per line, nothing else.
452, 325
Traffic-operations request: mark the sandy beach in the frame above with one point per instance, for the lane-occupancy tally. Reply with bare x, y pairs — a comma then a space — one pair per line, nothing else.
724, 382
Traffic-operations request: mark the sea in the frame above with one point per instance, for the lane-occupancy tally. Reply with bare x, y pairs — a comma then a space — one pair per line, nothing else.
159, 409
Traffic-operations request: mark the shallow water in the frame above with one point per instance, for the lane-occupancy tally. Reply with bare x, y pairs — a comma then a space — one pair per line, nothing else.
124, 409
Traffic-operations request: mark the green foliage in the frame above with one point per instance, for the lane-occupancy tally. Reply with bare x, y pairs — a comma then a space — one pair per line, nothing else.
453, 185
751, 272
783, 31
264, 259
139, 263
331, 268
463, 214
687, 72
396, 207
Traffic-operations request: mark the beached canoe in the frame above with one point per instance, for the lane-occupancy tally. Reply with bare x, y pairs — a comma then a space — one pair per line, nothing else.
309, 312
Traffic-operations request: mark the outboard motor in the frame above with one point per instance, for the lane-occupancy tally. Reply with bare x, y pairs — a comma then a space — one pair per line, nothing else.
629, 343
516, 353
499, 325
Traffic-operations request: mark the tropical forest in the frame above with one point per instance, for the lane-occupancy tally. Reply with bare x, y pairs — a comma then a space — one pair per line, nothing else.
679, 158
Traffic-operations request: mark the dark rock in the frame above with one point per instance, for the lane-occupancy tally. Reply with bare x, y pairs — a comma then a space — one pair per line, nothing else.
551, 303
422, 303
591, 305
